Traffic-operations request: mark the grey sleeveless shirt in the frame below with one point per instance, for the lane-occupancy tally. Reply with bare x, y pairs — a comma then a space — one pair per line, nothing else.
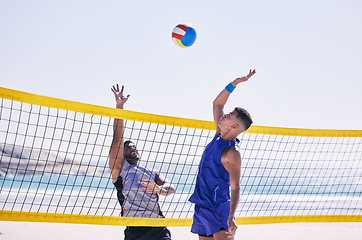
138, 203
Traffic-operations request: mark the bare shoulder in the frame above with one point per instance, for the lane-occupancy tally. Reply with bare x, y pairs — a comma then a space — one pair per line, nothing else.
231, 152
231, 157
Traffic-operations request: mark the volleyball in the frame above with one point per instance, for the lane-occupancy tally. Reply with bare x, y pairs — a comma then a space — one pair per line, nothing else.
184, 35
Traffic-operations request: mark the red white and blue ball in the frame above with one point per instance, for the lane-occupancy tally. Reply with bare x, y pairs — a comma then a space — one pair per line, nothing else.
184, 35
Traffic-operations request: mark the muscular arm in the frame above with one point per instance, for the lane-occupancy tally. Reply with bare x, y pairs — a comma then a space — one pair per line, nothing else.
231, 160
221, 99
166, 187
116, 160
161, 185
218, 107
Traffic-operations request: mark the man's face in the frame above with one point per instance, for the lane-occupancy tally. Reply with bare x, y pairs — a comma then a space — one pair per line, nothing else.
228, 120
130, 151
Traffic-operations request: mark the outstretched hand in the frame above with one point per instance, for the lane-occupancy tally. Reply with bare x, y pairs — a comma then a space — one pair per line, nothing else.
244, 78
120, 98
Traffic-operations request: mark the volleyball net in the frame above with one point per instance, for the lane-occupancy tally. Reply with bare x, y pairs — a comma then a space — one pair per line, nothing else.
54, 166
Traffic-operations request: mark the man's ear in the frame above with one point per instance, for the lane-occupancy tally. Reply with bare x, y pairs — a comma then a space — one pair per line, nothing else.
239, 127
235, 126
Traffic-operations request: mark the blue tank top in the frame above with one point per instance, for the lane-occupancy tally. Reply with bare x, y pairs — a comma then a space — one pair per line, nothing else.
213, 181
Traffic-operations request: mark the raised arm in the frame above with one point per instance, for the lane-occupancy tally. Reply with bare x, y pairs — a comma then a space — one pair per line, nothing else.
221, 99
116, 160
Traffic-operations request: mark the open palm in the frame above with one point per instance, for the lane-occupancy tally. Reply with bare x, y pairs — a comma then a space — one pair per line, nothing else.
245, 78
120, 98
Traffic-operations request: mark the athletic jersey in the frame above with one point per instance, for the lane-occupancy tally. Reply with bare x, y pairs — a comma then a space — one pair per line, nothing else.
135, 202
213, 181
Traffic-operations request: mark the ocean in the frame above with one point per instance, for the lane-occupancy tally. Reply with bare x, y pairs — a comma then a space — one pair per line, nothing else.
96, 195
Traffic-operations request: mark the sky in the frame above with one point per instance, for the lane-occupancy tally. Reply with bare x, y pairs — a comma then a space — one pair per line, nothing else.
307, 55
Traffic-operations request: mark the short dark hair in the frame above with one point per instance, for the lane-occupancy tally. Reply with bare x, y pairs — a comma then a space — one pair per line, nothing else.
126, 143
244, 116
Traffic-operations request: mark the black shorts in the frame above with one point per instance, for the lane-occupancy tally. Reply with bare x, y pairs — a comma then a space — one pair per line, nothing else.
147, 233
211, 235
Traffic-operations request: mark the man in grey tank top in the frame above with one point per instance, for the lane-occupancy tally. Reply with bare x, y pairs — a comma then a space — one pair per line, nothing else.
137, 186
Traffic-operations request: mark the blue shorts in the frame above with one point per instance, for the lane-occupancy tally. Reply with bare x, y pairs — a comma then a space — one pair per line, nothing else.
207, 221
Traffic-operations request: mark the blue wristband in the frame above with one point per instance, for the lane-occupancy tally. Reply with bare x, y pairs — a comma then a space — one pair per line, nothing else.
230, 88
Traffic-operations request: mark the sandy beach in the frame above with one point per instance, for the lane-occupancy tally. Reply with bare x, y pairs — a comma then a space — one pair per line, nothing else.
295, 231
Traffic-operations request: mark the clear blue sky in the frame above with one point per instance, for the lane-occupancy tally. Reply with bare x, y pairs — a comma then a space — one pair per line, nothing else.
308, 56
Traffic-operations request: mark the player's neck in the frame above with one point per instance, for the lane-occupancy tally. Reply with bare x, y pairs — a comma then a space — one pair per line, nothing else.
228, 135
132, 161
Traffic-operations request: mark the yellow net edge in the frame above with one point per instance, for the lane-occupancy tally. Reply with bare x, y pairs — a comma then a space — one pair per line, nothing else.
170, 222
160, 119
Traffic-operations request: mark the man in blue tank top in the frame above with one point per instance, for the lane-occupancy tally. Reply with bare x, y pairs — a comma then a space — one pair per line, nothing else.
137, 186
220, 170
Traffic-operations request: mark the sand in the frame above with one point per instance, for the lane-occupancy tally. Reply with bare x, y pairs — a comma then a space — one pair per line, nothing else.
294, 231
